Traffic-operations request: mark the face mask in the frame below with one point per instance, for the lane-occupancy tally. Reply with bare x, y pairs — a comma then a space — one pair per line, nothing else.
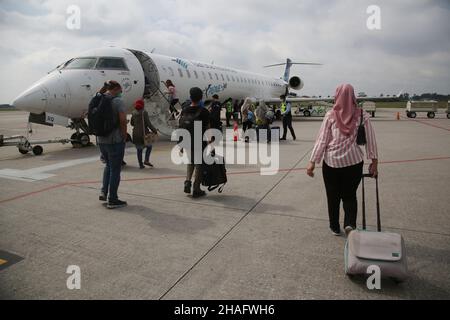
119, 94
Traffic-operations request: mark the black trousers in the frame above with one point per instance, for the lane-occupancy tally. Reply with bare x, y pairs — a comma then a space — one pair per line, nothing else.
287, 123
228, 117
342, 184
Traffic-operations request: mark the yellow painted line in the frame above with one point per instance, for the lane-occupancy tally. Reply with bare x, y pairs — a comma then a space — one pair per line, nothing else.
2, 261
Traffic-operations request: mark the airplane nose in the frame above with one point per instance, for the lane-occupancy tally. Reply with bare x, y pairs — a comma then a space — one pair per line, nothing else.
33, 99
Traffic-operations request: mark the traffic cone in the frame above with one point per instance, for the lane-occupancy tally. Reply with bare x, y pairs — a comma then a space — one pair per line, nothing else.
235, 132
398, 115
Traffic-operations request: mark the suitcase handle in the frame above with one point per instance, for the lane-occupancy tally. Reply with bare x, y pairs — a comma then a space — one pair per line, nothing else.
368, 175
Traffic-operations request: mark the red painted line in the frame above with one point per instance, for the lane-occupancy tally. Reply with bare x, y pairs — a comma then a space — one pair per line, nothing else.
183, 176
33, 193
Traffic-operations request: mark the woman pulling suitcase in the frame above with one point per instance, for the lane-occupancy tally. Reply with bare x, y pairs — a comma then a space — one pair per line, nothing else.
343, 159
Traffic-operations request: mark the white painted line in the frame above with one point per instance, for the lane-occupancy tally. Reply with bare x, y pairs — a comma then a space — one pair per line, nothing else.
41, 173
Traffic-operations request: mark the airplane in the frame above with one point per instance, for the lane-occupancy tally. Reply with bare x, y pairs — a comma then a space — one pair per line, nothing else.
62, 96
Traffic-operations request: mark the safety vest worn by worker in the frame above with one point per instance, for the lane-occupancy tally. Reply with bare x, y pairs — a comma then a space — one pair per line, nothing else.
229, 107
283, 107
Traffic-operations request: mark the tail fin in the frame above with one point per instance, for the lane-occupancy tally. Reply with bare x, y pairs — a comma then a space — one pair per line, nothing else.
289, 64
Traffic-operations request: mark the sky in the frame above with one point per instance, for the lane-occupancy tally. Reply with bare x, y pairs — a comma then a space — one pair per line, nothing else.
409, 53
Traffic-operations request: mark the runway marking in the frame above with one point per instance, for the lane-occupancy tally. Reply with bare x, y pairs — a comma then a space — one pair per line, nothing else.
75, 183
41, 173
426, 123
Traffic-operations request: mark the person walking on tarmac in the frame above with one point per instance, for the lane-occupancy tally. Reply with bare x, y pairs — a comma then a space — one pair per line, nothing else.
287, 118
343, 159
229, 110
141, 124
189, 116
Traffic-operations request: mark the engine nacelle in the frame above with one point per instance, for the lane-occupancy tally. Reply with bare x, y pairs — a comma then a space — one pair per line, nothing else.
296, 83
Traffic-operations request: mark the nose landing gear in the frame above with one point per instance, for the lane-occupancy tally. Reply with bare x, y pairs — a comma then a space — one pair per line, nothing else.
80, 140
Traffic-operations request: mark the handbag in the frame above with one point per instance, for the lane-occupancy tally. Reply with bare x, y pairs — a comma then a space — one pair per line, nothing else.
361, 136
150, 137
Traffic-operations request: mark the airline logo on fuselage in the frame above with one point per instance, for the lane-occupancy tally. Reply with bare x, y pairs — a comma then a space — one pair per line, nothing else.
215, 89
181, 62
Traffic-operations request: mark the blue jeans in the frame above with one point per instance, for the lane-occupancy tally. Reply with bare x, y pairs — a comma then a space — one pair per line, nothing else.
113, 155
140, 150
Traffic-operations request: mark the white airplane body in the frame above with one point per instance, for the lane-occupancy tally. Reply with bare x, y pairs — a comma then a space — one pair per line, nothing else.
67, 90
62, 97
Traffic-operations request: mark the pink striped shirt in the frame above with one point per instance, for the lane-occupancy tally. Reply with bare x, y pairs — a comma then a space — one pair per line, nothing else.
339, 150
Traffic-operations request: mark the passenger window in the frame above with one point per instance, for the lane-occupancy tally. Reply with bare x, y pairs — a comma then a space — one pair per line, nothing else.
204, 75
171, 73
232, 78
188, 73
228, 78
223, 78
210, 75
217, 77
111, 64
81, 63
180, 72
195, 74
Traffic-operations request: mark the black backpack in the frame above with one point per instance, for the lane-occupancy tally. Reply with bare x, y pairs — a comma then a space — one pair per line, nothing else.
187, 120
100, 115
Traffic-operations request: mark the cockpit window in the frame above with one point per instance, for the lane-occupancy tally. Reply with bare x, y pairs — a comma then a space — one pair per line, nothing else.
111, 63
81, 63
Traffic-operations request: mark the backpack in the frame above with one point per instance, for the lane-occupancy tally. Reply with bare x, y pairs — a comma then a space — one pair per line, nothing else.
251, 117
187, 120
100, 115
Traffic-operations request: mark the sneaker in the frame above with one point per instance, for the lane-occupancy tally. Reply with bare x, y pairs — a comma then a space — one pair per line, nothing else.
198, 194
115, 204
147, 163
102, 196
283, 139
348, 229
187, 186
336, 233
142, 167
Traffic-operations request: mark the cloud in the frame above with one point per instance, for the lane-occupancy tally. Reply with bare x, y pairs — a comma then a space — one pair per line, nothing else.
410, 53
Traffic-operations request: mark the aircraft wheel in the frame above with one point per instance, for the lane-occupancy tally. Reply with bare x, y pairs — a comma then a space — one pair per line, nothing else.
37, 150
306, 113
84, 139
23, 151
431, 115
76, 140
413, 115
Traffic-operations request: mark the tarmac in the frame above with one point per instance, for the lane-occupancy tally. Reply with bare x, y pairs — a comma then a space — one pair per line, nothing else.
264, 237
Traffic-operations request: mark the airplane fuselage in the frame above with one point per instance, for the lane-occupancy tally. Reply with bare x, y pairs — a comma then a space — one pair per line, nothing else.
67, 90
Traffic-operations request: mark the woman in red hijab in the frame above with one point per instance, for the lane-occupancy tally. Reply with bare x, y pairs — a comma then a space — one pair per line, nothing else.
343, 159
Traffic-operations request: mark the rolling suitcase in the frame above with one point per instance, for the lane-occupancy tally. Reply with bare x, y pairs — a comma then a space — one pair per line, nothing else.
366, 248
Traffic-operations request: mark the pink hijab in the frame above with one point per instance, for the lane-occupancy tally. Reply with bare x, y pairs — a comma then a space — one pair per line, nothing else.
345, 108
